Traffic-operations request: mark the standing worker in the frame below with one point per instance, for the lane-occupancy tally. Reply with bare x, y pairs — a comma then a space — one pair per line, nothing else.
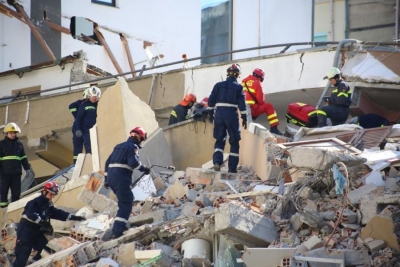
180, 112
226, 97
77, 141
12, 156
86, 117
35, 222
119, 167
338, 102
255, 99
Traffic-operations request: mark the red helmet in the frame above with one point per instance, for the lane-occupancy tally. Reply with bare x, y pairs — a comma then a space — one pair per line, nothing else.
51, 187
234, 68
140, 131
259, 73
204, 102
189, 98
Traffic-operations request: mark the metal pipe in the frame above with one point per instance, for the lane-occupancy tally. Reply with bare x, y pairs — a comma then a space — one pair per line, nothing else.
346, 21
332, 23
312, 20
336, 65
396, 30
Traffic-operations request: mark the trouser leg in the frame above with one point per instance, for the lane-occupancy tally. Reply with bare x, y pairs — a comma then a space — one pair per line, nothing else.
86, 142
78, 145
125, 202
220, 138
234, 138
5, 185
15, 187
22, 252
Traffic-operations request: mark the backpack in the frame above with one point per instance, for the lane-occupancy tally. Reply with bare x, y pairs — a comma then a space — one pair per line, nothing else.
301, 114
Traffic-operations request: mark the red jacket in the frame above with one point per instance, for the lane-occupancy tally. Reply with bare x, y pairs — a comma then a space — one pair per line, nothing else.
253, 85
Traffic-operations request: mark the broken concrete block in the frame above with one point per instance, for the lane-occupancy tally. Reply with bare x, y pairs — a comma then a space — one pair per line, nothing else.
126, 254
391, 212
295, 221
106, 262
261, 257
175, 191
356, 194
143, 255
200, 176
128, 236
310, 217
382, 228
319, 159
376, 245
245, 226
305, 193
348, 216
160, 215
313, 242
166, 249
98, 202
392, 184
8, 243
203, 201
189, 209
191, 194
58, 244
146, 207
369, 205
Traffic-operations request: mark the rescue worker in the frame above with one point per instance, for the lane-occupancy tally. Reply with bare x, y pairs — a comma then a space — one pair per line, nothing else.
200, 110
369, 121
77, 141
339, 101
12, 159
180, 112
86, 117
226, 97
119, 167
35, 222
255, 99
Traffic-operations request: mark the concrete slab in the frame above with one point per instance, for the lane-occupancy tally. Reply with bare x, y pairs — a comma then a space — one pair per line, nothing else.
369, 205
356, 194
258, 257
322, 253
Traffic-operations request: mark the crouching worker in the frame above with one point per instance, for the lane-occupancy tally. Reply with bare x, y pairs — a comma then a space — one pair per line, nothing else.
35, 222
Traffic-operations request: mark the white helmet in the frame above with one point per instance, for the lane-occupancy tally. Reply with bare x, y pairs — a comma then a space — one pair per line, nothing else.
85, 93
332, 73
93, 91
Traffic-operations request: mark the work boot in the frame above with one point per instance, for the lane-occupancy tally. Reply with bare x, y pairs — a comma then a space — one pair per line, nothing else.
232, 171
275, 130
217, 167
108, 235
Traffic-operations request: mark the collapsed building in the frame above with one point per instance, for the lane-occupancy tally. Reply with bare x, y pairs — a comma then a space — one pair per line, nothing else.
322, 197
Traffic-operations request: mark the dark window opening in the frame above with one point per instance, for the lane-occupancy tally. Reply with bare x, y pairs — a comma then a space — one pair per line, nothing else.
105, 2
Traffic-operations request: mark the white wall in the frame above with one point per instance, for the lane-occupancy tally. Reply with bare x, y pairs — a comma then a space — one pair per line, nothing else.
173, 26
15, 40
260, 23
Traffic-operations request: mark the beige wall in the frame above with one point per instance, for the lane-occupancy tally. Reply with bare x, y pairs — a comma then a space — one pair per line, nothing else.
322, 19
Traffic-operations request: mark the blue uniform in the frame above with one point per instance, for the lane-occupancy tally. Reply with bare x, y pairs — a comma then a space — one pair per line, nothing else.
29, 234
86, 119
76, 141
338, 109
119, 167
226, 97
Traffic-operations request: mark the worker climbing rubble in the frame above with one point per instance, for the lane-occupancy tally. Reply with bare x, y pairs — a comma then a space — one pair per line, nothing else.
35, 223
119, 167
255, 99
226, 97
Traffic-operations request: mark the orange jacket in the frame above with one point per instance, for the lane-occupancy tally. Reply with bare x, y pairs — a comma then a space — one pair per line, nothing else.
253, 85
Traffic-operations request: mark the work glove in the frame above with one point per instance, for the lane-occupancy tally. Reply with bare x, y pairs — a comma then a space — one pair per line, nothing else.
244, 121
30, 173
78, 133
146, 170
211, 116
46, 227
326, 98
77, 218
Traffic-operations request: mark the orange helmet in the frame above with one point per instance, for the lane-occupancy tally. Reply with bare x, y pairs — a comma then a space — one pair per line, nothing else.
189, 98
51, 187
141, 132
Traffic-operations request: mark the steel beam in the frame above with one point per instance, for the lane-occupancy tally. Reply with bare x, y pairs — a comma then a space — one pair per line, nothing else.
128, 53
103, 42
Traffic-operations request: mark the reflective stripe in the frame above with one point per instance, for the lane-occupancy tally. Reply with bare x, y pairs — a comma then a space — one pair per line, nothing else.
321, 112
335, 91
297, 122
250, 102
173, 113
118, 165
12, 157
243, 112
138, 167
301, 104
226, 105
342, 93
312, 112
26, 217
250, 89
121, 219
271, 116
234, 154
72, 109
3, 204
273, 121
218, 150
211, 108
89, 107
75, 157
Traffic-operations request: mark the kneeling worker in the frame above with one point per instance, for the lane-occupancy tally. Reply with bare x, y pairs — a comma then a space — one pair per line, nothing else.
180, 111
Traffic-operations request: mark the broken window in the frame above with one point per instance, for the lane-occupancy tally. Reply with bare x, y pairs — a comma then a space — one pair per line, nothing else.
216, 30
104, 2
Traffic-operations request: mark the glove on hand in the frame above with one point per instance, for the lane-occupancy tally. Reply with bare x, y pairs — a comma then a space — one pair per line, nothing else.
211, 116
146, 170
30, 173
77, 218
46, 227
244, 121
78, 133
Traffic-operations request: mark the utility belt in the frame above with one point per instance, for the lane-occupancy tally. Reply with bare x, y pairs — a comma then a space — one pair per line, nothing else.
30, 223
119, 165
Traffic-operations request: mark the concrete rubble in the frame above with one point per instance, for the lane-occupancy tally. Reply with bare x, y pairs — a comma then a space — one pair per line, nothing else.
299, 204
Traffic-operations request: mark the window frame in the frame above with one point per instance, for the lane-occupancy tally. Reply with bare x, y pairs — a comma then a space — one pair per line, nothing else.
112, 4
